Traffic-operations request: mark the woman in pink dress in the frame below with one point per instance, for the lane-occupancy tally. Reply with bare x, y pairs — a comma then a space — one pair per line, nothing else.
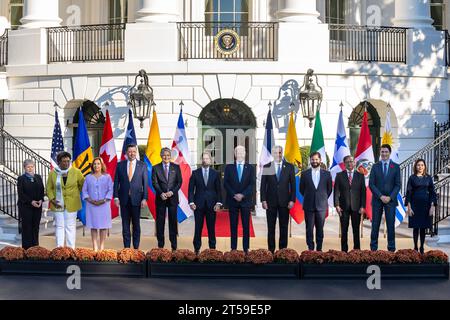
98, 192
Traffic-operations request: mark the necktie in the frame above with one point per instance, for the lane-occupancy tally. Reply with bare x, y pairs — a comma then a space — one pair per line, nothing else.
240, 171
130, 171
166, 171
385, 169
278, 172
205, 176
350, 178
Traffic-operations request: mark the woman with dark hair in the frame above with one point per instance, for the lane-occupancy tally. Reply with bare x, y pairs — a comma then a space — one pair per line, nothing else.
98, 192
30, 189
64, 185
421, 201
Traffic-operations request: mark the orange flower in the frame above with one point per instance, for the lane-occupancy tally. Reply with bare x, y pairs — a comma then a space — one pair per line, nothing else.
260, 256
210, 255
159, 255
10, 253
184, 255
106, 255
38, 253
63, 253
85, 254
286, 255
129, 255
234, 256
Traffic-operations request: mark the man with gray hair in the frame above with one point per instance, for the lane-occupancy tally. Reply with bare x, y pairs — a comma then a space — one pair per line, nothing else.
277, 196
166, 180
239, 183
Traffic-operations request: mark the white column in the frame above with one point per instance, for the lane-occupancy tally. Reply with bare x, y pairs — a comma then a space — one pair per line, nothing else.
157, 11
40, 14
413, 14
298, 11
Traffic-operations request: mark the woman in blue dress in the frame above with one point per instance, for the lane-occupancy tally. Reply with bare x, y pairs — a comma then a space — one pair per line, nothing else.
421, 200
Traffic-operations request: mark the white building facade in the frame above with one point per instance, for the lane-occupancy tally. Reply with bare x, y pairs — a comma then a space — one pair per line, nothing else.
379, 51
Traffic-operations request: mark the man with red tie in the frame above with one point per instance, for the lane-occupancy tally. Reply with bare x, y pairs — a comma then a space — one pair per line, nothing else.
350, 201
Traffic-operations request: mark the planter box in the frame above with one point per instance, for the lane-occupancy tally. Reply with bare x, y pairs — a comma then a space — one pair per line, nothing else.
222, 270
388, 271
88, 268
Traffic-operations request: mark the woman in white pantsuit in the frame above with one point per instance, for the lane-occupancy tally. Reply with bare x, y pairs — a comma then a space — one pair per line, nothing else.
64, 185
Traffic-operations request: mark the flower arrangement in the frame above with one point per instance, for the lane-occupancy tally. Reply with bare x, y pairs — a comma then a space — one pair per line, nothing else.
106, 255
260, 256
184, 255
234, 256
210, 255
311, 257
10, 253
129, 255
435, 256
85, 254
286, 255
368, 257
334, 256
37, 253
63, 253
159, 255
408, 256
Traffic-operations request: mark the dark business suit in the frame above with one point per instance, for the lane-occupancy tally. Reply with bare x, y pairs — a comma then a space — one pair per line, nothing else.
205, 198
384, 185
315, 205
130, 194
350, 198
278, 192
30, 216
163, 185
245, 186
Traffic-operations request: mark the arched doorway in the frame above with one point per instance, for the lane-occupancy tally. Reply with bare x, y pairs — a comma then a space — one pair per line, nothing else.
224, 124
95, 120
354, 124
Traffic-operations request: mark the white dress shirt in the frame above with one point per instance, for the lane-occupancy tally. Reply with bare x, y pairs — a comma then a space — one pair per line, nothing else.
316, 176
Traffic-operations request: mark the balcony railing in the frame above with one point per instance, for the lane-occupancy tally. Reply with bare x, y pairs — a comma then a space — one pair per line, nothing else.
4, 49
256, 40
371, 44
86, 43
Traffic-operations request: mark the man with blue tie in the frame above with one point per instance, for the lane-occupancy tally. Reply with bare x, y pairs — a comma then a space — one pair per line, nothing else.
239, 183
385, 184
205, 197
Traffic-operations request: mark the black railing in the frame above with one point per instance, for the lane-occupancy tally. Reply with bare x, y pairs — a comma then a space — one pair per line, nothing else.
86, 43
13, 153
442, 210
366, 43
436, 156
256, 40
4, 48
8, 196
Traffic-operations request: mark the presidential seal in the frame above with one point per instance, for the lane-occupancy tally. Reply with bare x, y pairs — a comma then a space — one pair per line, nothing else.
227, 42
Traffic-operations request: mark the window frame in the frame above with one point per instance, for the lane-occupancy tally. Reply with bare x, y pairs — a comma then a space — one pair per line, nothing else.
15, 5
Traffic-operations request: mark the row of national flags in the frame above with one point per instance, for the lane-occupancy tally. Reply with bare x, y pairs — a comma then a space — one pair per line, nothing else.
83, 156
364, 157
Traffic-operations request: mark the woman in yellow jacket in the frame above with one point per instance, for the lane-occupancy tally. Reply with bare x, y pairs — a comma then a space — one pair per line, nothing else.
64, 185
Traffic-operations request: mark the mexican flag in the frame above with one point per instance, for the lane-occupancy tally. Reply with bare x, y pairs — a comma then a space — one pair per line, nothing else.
318, 144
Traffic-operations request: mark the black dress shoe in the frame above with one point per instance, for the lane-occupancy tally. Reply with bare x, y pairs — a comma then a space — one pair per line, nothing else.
422, 251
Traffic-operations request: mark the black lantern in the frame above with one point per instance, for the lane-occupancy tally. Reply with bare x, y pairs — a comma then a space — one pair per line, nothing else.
141, 98
310, 98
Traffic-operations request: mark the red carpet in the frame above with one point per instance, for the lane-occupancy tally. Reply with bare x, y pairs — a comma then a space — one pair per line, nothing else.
223, 226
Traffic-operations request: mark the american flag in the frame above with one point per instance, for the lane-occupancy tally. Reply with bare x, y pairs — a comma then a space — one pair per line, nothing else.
57, 142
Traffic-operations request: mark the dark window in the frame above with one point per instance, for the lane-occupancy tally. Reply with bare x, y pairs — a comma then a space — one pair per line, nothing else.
437, 8
335, 11
223, 12
15, 13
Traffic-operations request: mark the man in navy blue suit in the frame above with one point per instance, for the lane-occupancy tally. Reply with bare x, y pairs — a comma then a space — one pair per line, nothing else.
239, 183
385, 184
205, 199
315, 186
130, 194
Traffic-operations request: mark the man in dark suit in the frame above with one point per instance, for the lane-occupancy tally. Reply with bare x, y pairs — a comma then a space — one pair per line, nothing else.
350, 201
130, 194
205, 199
385, 184
316, 187
239, 183
166, 180
277, 196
